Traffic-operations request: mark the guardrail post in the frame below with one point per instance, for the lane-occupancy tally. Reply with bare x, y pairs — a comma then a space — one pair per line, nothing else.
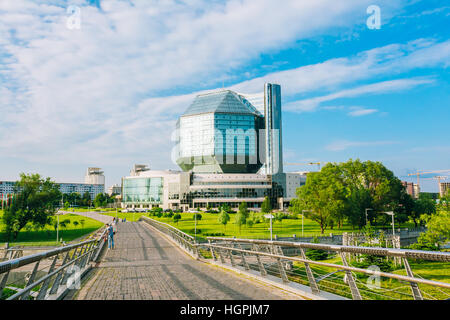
3, 282
57, 281
212, 251
96, 246
417, 294
312, 281
260, 264
44, 287
86, 258
230, 252
222, 260
283, 274
30, 281
244, 262
196, 250
351, 281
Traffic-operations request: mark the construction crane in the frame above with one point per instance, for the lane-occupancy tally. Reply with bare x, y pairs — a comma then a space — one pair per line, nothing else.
305, 164
418, 174
438, 178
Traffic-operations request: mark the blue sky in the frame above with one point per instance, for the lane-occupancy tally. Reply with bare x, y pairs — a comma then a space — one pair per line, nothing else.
108, 94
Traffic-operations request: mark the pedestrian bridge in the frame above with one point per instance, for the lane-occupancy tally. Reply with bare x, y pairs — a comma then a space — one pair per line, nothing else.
153, 261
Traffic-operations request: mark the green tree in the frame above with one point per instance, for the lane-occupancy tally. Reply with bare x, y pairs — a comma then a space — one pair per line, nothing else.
266, 206
244, 209
197, 216
425, 205
242, 215
101, 200
355, 207
32, 203
176, 218
375, 186
223, 217
444, 202
438, 232
76, 223
323, 196
82, 221
86, 199
66, 205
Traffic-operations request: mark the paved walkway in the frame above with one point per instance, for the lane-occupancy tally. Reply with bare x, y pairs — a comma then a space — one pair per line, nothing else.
93, 215
144, 265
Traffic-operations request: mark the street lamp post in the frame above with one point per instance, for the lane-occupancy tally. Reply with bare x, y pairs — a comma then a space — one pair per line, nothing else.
195, 231
391, 213
269, 216
57, 229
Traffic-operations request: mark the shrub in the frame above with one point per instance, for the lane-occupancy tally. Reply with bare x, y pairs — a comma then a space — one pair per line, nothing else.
198, 216
217, 234
316, 254
370, 260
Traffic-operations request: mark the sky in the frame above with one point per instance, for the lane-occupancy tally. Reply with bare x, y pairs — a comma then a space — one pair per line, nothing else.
101, 83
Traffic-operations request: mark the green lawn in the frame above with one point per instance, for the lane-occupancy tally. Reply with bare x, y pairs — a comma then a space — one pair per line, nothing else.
47, 236
209, 224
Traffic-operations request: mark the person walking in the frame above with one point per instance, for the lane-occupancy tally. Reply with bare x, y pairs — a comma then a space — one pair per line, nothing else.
110, 237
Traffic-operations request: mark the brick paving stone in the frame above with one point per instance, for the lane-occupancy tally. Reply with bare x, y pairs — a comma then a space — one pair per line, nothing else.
145, 266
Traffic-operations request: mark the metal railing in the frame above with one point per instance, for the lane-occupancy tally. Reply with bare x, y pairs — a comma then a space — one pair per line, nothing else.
67, 265
321, 279
268, 257
183, 239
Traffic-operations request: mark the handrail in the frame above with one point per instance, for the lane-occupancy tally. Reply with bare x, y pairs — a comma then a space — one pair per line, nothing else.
232, 249
101, 245
183, 239
325, 264
48, 276
22, 261
83, 253
169, 226
402, 253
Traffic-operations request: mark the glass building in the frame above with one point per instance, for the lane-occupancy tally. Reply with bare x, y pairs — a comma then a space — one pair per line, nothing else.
143, 190
219, 133
229, 146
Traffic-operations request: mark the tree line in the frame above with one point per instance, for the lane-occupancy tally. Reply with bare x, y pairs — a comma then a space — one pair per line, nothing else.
358, 193
36, 200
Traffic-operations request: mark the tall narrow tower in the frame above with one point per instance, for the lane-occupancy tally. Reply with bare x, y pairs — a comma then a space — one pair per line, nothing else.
94, 176
273, 139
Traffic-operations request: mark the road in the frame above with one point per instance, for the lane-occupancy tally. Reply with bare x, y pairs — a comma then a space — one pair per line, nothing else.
146, 266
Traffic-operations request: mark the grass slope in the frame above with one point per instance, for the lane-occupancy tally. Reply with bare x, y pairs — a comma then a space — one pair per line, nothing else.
47, 236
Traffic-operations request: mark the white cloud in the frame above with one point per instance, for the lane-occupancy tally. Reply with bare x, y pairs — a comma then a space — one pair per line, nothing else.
358, 111
94, 94
345, 144
375, 88
98, 95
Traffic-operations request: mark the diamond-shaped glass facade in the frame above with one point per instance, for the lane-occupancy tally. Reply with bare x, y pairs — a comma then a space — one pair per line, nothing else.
219, 133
